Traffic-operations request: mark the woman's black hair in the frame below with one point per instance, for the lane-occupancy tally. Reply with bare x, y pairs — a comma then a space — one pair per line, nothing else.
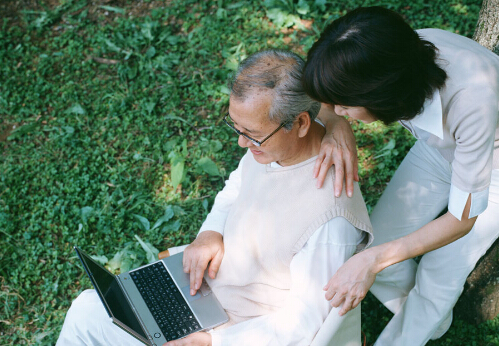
372, 58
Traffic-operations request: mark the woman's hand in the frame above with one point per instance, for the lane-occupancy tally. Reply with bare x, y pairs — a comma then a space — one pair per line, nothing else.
338, 147
350, 284
208, 247
195, 339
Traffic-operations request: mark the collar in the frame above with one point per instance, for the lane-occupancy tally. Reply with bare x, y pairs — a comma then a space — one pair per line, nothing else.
430, 120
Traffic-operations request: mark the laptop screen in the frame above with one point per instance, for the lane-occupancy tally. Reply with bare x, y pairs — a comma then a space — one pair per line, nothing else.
111, 293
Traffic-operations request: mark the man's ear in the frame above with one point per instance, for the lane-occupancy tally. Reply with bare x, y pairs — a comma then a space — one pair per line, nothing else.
304, 123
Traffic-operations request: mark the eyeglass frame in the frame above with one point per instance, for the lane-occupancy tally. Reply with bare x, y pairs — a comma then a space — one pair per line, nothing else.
252, 140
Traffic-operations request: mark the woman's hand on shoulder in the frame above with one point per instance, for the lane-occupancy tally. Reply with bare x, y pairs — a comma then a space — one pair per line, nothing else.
338, 148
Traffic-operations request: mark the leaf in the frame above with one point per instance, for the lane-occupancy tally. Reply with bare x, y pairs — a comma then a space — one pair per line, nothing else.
124, 260
174, 117
387, 149
232, 64
69, 130
112, 46
173, 40
151, 52
151, 251
86, 213
165, 218
113, 9
224, 90
390, 145
303, 7
18, 132
177, 170
321, 4
146, 30
171, 227
208, 166
149, 106
100, 259
216, 146
143, 221
76, 109
116, 262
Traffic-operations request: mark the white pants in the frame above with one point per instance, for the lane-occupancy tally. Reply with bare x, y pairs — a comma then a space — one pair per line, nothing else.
421, 296
87, 323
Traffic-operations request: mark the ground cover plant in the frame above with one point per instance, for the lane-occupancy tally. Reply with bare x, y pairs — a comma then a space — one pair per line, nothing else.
111, 136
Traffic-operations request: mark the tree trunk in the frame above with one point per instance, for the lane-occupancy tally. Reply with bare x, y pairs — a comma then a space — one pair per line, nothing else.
487, 27
480, 299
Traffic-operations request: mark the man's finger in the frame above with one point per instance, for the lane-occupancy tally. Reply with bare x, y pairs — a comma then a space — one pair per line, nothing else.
215, 264
186, 263
193, 277
200, 268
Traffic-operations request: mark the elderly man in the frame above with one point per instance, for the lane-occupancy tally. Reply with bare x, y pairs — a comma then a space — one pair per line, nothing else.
272, 239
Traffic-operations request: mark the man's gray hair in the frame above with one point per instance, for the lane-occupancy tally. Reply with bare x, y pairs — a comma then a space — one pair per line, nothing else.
278, 72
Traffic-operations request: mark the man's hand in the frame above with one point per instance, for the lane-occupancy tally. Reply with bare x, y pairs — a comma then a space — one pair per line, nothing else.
207, 247
338, 147
350, 284
195, 339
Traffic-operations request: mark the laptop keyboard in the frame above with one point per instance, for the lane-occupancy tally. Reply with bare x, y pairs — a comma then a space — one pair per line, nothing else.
167, 305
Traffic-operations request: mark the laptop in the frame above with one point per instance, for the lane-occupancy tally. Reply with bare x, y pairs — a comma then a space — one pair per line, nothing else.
153, 303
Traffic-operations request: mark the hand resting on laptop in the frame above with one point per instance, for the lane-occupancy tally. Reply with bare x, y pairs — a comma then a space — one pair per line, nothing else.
208, 248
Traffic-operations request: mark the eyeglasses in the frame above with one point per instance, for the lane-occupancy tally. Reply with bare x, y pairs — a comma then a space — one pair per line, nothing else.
229, 122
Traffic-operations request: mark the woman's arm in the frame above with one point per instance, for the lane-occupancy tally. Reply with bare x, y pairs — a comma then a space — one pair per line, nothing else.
338, 147
351, 282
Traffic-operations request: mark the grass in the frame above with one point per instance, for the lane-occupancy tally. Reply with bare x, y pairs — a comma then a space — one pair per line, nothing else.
110, 129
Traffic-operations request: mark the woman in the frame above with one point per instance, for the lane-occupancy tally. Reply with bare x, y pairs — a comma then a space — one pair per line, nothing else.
444, 88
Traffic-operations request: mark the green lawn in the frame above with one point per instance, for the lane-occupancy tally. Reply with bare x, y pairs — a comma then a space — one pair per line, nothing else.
111, 135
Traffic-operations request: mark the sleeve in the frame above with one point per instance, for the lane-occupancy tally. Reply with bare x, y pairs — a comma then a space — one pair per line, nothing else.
306, 309
472, 120
215, 220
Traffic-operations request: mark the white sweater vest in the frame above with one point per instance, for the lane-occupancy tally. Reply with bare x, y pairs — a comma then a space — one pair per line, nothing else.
275, 213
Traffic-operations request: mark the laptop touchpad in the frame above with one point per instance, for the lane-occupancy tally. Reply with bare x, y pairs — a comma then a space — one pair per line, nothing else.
186, 291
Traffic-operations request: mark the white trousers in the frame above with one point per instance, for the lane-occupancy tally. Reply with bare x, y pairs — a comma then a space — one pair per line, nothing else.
422, 295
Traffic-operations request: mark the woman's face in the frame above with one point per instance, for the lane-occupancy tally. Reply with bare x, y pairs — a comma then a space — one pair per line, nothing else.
358, 113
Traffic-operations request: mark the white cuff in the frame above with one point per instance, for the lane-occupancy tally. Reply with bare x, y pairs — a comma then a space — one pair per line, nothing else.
216, 340
458, 199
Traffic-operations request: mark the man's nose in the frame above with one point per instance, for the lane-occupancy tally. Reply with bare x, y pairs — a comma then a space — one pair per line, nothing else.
243, 142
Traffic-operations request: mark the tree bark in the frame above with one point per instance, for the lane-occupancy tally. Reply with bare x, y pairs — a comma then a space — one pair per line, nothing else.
487, 28
480, 299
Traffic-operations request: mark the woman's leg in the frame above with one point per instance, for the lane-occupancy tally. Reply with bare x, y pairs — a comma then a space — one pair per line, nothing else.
416, 194
441, 273
87, 323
